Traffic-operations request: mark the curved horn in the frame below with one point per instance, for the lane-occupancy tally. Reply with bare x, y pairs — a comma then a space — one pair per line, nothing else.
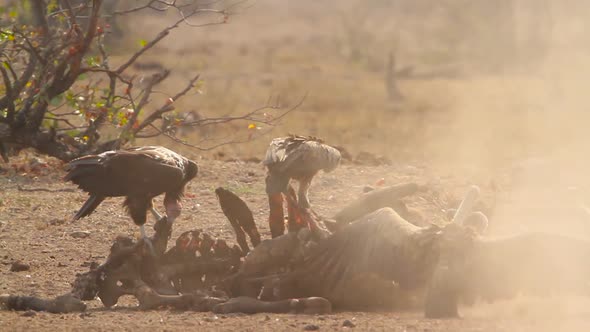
467, 204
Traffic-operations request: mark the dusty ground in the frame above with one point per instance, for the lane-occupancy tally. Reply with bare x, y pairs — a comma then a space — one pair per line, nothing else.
35, 228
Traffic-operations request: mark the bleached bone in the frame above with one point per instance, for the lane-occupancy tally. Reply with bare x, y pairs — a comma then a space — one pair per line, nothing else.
467, 204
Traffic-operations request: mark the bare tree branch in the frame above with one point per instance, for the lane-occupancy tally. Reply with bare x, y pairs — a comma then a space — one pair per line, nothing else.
45, 64
167, 107
150, 5
38, 9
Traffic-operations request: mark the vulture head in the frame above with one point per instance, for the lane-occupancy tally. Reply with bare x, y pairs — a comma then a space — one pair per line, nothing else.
191, 171
172, 202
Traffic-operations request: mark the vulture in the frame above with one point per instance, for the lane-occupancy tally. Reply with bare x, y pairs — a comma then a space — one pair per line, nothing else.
239, 216
299, 158
139, 174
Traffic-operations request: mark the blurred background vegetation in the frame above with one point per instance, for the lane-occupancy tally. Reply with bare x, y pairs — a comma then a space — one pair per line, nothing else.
470, 81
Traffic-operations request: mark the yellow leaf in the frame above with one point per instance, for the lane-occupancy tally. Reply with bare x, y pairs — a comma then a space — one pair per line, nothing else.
251, 126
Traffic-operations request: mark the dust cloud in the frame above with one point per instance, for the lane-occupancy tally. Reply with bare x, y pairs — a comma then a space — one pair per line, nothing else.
493, 91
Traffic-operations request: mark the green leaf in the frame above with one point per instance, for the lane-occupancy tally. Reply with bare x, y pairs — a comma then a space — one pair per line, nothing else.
57, 100
49, 123
142, 42
92, 61
73, 133
13, 13
51, 6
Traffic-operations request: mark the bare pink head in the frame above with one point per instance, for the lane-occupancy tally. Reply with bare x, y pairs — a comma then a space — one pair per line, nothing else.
173, 209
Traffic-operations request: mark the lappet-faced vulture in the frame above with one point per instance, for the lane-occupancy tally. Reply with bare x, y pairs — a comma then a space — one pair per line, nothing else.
299, 158
139, 174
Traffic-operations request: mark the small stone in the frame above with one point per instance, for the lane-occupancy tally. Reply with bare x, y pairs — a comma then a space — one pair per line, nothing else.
80, 234
311, 327
267, 318
367, 189
348, 323
19, 266
29, 313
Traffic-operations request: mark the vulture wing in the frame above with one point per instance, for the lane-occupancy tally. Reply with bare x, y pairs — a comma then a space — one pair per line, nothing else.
301, 155
235, 209
124, 173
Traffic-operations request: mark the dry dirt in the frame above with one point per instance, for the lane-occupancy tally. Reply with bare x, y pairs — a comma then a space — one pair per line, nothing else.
35, 229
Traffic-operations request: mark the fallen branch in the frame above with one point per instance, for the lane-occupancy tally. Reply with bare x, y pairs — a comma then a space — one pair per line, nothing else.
61, 304
69, 190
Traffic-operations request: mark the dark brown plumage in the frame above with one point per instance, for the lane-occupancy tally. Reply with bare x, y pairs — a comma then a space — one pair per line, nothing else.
240, 217
139, 174
299, 158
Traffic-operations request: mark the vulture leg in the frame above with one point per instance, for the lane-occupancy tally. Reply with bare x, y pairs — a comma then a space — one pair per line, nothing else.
147, 240
304, 185
276, 219
295, 222
137, 207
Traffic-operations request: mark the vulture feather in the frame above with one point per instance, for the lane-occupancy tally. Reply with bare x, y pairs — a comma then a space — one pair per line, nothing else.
239, 216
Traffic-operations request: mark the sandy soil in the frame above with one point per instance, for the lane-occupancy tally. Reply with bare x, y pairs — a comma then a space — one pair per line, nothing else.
35, 228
